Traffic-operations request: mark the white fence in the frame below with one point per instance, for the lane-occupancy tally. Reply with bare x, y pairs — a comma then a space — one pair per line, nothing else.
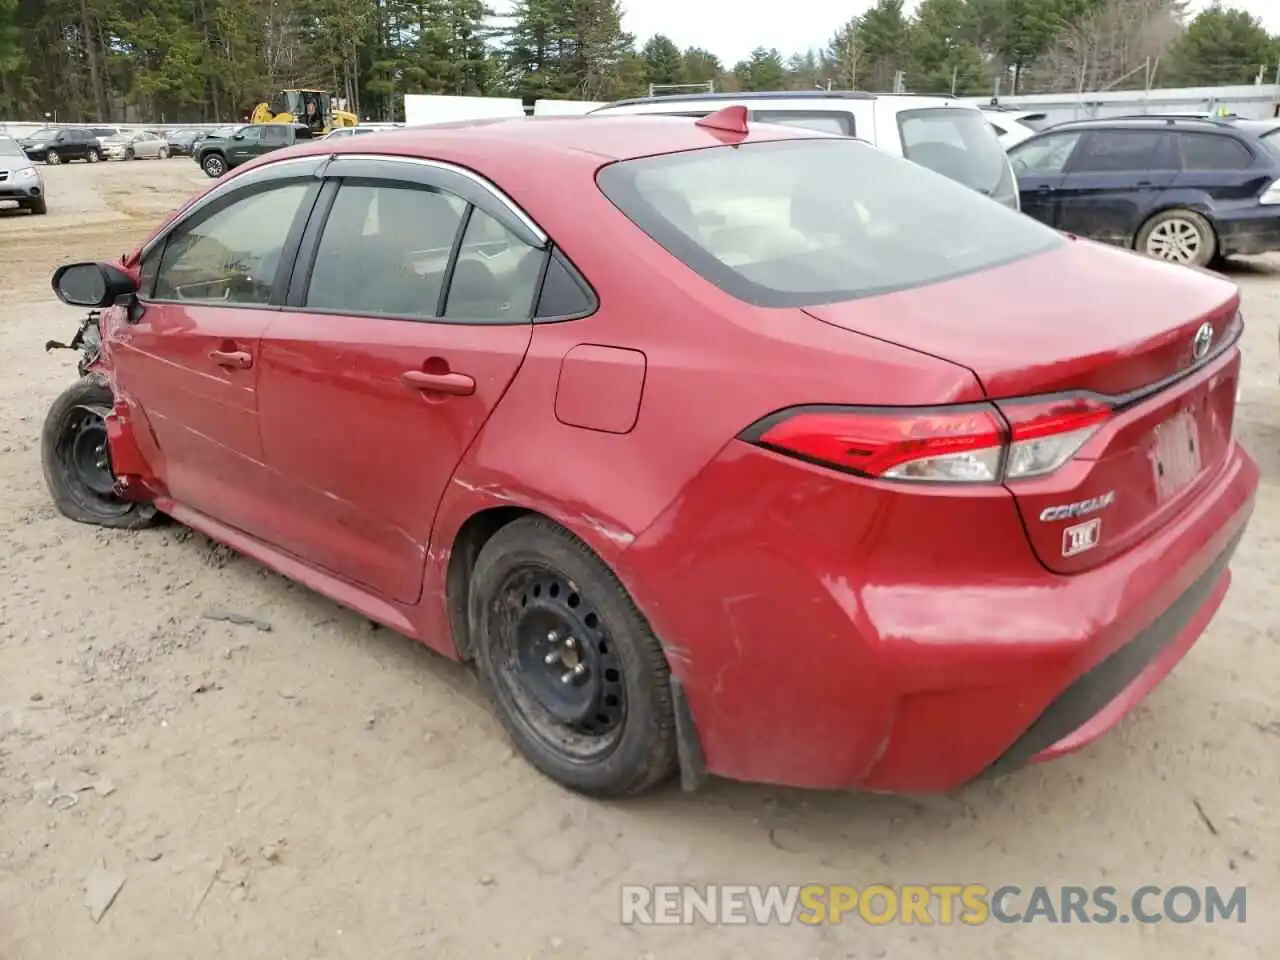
1255, 101
423, 108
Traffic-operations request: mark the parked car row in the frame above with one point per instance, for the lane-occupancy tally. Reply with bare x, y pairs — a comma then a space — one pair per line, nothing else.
55, 145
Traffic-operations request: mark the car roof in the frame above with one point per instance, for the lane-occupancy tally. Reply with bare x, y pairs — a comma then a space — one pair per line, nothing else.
1235, 127
1148, 121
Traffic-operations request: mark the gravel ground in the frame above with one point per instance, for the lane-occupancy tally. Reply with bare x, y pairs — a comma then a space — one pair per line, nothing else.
325, 789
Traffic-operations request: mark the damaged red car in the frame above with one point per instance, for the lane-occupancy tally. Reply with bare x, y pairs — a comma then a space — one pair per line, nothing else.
757, 452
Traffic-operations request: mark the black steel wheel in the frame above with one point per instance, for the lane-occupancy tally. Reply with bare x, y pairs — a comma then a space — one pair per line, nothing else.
77, 460
558, 665
579, 680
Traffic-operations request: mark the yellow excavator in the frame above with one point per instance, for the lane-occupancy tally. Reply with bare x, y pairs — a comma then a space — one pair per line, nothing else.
312, 107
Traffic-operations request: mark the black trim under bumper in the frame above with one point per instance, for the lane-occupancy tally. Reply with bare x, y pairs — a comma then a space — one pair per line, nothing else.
1098, 687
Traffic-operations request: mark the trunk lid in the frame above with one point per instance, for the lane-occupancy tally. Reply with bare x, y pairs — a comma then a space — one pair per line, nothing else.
1088, 318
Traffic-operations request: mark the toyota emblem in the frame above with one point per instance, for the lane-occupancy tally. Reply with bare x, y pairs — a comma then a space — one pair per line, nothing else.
1202, 342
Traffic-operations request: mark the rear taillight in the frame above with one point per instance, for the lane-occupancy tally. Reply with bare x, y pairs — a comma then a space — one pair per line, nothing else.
1272, 194
976, 443
1045, 434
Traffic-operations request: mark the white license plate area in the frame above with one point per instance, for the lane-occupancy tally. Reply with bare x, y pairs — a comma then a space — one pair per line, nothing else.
1175, 454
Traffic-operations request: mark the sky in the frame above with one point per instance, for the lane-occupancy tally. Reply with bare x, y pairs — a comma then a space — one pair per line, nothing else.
721, 26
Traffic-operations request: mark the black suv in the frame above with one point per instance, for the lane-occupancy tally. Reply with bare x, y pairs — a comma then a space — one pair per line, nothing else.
54, 145
1189, 189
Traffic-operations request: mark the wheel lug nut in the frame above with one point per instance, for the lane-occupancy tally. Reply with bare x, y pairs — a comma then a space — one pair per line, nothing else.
579, 669
570, 642
553, 636
551, 657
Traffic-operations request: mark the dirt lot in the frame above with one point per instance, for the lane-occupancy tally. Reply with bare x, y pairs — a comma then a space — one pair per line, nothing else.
326, 789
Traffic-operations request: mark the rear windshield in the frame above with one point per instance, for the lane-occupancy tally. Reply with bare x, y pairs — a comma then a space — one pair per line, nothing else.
1272, 142
804, 222
959, 144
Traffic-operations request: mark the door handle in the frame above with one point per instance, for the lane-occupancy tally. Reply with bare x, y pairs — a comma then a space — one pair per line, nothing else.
234, 359
1044, 188
1144, 184
454, 384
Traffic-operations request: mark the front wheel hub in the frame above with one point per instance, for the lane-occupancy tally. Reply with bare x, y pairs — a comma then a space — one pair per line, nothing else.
89, 454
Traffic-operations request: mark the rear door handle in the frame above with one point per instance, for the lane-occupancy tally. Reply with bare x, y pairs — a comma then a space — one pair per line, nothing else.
454, 384
235, 359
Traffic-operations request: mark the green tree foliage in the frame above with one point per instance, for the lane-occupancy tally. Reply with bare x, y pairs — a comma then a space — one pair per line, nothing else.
943, 52
663, 62
763, 71
1223, 46
571, 48
176, 60
699, 66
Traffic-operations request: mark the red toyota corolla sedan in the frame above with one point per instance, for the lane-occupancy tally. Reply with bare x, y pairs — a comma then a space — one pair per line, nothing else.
758, 453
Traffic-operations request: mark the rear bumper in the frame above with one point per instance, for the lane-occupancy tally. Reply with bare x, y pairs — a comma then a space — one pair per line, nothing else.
1097, 700
874, 641
1250, 232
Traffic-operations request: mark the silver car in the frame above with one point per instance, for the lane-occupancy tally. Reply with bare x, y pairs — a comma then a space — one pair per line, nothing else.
19, 178
137, 145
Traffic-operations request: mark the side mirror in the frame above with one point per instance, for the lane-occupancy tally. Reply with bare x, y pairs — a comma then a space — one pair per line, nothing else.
92, 284
238, 136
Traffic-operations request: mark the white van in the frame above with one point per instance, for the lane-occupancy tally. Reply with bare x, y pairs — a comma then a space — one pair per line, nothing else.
946, 135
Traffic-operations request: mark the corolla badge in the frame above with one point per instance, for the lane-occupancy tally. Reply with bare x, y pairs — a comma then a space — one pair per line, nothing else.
1081, 508
1202, 341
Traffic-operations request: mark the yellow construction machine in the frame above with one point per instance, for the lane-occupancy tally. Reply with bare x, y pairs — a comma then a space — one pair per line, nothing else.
312, 107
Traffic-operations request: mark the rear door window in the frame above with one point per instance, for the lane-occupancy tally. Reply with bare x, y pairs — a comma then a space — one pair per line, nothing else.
385, 251
1209, 151
959, 144
275, 135
1123, 151
496, 274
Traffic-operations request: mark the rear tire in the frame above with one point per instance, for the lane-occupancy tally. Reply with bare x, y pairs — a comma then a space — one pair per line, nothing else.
77, 464
163, 154
1179, 236
53, 158
93, 156
578, 678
